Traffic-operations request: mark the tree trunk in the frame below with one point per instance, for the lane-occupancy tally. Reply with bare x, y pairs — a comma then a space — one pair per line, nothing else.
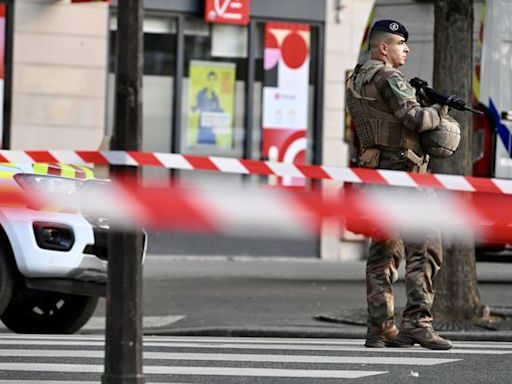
457, 296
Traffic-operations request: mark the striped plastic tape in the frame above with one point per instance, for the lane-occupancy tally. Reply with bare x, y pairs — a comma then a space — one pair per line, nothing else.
263, 168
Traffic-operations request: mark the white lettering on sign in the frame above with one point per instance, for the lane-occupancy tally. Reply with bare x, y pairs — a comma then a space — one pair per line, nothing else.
227, 11
221, 8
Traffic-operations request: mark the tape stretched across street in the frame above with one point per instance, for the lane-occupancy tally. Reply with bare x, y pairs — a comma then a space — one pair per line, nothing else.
263, 168
282, 212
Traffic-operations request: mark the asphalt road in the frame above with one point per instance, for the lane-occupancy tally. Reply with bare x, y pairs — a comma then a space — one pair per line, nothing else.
250, 293
225, 294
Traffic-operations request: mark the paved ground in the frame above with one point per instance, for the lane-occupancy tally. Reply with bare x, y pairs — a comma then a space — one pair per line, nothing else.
278, 297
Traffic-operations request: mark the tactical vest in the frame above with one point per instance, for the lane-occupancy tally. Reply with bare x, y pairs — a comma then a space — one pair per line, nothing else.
376, 125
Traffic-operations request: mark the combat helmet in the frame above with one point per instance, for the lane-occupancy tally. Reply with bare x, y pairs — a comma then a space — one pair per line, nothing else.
442, 141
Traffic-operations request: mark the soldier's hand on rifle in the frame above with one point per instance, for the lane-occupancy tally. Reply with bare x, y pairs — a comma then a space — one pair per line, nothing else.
441, 109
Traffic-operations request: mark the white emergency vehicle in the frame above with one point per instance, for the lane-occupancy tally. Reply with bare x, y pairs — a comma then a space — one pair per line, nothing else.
53, 260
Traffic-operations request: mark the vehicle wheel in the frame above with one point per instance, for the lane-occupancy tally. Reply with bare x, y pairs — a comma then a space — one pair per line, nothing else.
6, 281
33, 311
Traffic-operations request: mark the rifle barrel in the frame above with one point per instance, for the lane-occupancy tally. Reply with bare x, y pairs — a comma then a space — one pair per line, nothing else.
474, 110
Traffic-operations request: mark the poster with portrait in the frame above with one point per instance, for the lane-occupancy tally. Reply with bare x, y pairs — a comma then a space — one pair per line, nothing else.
211, 103
285, 91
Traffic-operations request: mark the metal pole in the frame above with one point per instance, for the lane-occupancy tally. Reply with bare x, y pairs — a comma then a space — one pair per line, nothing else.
123, 339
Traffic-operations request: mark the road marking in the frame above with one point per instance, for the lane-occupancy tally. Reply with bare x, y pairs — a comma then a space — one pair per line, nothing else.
46, 382
245, 340
314, 359
219, 357
212, 371
67, 382
97, 323
354, 342
284, 346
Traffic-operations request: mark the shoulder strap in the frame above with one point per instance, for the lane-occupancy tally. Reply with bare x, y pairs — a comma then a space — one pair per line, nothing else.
350, 83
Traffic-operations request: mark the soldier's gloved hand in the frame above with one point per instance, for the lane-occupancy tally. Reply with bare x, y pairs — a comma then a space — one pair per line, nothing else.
441, 109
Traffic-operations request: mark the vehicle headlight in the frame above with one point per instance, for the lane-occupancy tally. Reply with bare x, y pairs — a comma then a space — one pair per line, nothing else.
47, 184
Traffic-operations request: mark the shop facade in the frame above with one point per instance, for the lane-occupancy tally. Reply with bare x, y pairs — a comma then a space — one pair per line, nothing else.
270, 88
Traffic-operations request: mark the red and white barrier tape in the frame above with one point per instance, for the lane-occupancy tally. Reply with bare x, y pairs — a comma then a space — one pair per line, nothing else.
263, 168
285, 212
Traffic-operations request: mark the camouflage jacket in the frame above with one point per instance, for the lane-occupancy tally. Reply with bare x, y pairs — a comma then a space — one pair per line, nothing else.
383, 105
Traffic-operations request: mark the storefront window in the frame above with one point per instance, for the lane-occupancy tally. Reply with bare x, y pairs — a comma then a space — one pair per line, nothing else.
215, 70
212, 105
158, 81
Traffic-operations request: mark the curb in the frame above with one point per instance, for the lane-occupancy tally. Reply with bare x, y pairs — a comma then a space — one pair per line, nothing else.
256, 331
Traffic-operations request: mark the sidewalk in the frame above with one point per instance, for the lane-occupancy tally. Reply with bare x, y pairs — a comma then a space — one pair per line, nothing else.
281, 297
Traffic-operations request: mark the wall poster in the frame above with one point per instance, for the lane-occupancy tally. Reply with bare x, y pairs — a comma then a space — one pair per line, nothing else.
285, 91
211, 103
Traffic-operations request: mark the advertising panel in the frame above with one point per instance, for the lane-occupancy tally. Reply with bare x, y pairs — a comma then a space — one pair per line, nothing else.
285, 91
211, 103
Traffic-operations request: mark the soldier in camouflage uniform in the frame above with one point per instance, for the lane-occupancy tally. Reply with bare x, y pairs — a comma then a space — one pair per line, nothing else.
389, 121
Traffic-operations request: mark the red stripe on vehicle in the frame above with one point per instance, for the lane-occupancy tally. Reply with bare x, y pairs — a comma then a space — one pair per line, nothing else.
79, 173
54, 170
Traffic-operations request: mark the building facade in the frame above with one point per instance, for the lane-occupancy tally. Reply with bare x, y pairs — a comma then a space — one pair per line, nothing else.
209, 88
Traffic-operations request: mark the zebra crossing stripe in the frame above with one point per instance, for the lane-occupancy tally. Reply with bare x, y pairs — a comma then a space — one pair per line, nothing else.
209, 371
354, 342
242, 340
284, 346
313, 359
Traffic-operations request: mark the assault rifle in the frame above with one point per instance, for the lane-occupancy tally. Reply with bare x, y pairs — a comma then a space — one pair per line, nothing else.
428, 96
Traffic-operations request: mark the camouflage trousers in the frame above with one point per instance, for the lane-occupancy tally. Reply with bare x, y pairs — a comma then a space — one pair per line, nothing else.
423, 260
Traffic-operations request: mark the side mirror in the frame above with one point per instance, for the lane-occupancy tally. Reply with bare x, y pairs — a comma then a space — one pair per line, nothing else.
506, 115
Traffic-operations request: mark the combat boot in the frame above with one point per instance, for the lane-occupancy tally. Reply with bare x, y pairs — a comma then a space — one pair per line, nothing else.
383, 336
422, 335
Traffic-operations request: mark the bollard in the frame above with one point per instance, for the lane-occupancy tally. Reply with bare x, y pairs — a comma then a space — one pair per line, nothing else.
123, 346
